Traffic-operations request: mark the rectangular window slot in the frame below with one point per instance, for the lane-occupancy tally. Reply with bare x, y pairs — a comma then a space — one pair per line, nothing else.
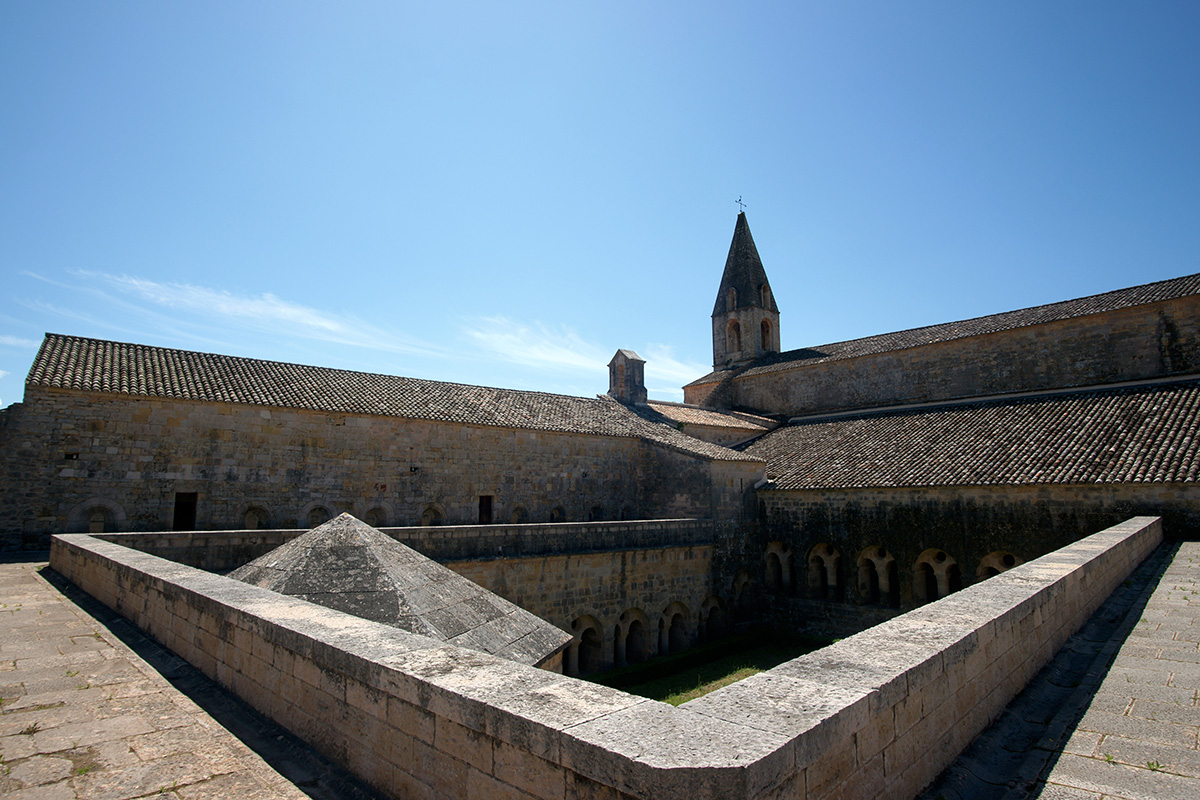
485, 509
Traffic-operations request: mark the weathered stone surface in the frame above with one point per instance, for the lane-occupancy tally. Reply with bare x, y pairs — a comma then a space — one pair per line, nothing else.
349, 566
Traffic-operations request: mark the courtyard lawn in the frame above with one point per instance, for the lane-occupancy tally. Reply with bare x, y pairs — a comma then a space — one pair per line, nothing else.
700, 670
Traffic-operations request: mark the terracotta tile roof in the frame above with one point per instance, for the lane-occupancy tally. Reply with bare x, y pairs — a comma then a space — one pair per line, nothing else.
95, 365
947, 331
1131, 435
693, 415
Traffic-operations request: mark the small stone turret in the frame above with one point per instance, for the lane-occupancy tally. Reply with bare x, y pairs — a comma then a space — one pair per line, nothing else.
745, 318
626, 378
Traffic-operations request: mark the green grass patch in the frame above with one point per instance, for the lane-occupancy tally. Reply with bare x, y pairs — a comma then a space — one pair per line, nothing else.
700, 670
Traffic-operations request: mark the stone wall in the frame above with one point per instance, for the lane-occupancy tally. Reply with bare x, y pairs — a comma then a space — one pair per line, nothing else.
967, 524
72, 460
576, 576
1144, 342
877, 715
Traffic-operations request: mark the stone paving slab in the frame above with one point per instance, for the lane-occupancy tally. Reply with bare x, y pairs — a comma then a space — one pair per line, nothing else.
91, 708
1118, 722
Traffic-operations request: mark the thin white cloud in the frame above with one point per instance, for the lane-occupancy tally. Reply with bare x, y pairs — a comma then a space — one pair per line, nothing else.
663, 367
558, 348
265, 312
3, 374
16, 341
536, 345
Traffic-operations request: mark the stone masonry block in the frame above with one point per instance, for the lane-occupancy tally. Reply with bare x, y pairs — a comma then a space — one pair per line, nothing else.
833, 768
411, 720
517, 767
463, 743
480, 785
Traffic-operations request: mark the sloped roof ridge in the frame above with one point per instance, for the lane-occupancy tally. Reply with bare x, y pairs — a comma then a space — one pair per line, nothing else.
1132, 433
98, 365
246, 360
1129, 297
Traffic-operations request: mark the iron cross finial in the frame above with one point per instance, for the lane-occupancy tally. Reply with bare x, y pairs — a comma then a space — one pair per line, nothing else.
741, 205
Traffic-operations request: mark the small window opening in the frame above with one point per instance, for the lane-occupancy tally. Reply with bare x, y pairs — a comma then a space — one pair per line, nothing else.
185, 511
71, 457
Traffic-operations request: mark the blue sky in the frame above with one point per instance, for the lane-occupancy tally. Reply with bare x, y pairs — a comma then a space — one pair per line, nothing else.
504, 194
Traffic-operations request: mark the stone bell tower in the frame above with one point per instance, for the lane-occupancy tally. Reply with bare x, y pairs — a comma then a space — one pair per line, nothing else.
745, 318
626, 377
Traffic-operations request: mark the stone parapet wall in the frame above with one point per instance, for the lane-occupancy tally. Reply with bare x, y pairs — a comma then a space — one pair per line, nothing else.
1151, 341
222, 551
877, 715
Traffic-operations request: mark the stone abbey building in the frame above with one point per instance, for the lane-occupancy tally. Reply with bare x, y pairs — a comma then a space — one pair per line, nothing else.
830, 484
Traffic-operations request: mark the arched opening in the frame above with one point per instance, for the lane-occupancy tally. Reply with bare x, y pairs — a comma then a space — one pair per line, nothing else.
892, 593
996, 563
673, 634
97, 520
779, 565
731, 299
586, 652
925, 583
255, 518
713, 620
637, 645
868, 581
824, 568
676, 635
733, 336
627, 513
774, 573
591, 651
764, 294
935, 575
745, 594
953, 579
317, 515
432, 515
877, 584
765, 335
557, 514
375, 517
596, 514
94, 515
519, 516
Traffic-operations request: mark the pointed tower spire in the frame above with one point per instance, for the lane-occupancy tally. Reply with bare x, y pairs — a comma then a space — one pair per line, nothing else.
745, 316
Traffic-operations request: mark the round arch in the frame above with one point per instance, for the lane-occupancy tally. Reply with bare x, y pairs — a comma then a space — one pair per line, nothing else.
996, 562
935, 575
878, 581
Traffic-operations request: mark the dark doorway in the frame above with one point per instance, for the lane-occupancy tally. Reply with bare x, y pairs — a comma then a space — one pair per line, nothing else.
185, 511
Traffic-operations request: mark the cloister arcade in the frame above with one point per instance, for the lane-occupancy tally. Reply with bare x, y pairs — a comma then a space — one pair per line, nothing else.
637, 635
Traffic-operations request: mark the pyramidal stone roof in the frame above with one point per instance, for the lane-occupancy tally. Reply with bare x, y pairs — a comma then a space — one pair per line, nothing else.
744, 273
1159, 291
347, 565
76, 363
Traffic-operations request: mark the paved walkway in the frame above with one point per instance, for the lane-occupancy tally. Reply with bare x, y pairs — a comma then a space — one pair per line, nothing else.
1116, 714
82, 715
93, 709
